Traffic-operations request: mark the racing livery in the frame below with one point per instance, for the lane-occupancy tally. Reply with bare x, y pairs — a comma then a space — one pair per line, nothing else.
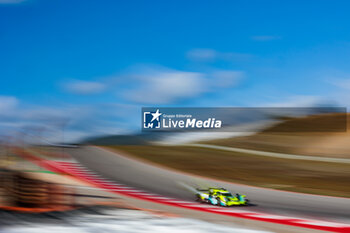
220, 197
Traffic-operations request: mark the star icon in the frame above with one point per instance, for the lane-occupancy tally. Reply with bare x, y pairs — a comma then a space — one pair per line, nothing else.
156, 115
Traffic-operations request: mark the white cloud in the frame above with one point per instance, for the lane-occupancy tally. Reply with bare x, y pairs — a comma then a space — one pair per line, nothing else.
43, 121
7, 103
166, 86
84, 87
340, 93
297, 101
227, 78
159, 85
11, 1
265, 38
202, 54
341, 83
209, 55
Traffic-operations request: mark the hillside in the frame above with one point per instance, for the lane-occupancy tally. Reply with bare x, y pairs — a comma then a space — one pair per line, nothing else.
319, 135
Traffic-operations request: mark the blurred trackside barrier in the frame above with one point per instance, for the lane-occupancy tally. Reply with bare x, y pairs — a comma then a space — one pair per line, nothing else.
26, 191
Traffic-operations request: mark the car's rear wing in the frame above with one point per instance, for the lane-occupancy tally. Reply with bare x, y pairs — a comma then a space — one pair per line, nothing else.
202, 190
198, 189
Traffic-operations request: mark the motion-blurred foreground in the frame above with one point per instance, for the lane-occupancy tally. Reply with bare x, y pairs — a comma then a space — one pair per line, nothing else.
42, 184
104, 219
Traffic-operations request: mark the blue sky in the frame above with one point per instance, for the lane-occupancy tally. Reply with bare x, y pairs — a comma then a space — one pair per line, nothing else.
91, 65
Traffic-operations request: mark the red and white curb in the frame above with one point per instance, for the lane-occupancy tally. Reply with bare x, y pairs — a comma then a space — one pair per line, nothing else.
80, 172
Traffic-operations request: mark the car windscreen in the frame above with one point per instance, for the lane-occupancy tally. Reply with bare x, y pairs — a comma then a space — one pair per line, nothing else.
226, 194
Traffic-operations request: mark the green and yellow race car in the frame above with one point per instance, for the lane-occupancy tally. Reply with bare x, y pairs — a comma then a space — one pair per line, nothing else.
220, 197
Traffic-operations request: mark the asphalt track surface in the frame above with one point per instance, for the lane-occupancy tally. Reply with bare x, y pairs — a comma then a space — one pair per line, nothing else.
169, 183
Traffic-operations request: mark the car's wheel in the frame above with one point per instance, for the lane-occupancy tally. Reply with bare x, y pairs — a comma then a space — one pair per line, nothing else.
198, 198
219, 201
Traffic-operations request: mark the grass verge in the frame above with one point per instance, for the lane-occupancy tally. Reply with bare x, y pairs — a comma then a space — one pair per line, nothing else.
284, 174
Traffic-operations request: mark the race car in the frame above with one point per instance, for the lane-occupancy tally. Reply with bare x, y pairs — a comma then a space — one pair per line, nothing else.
220, 197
